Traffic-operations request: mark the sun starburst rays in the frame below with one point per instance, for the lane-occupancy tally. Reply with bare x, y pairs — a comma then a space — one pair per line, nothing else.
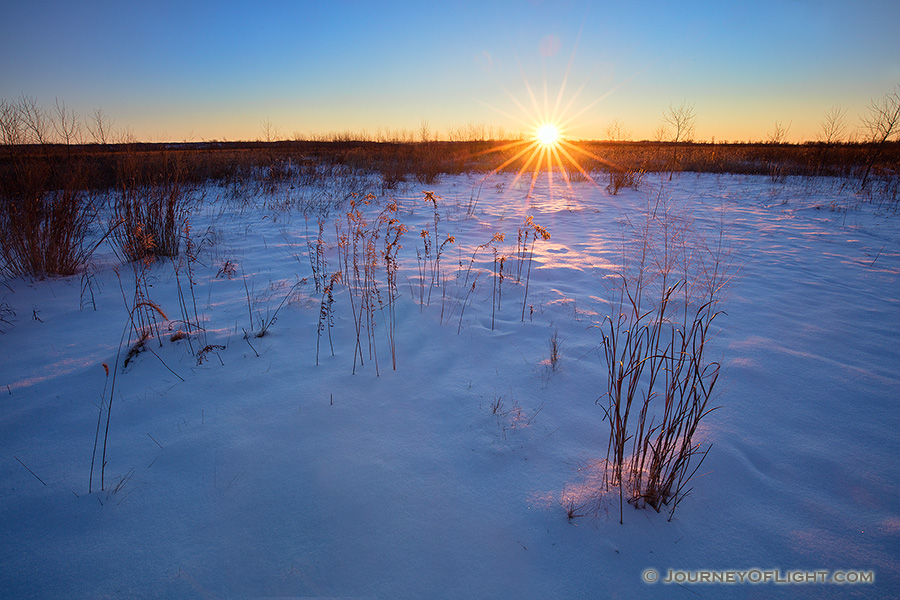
548, 149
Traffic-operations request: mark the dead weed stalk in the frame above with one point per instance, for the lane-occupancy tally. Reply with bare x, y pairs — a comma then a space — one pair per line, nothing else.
660, 379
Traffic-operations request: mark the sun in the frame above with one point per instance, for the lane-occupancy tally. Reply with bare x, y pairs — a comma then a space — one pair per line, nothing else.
548, 150
548, 135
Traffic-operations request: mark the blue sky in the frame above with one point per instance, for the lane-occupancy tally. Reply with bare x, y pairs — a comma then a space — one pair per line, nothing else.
218, 70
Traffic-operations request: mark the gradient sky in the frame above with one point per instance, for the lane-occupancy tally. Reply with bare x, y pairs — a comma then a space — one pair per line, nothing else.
218, 70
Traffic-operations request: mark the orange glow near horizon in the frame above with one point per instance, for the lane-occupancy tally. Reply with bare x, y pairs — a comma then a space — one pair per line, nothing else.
548, 150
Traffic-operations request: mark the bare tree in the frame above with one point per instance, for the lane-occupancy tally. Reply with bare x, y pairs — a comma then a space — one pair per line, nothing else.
883, 120
881, 125
100, 127
66, 125
831, 131
682, 121
36, 123
475, 132
661, 133
126, 135
269, 131
616, 132
424, 131
779, 134
833, 125
12, 130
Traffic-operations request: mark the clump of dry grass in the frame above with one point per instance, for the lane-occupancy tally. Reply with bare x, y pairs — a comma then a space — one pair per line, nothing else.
46, 234
393, 233
317, 262
660, 379
144, 317
326, 313
496, 239
265, 317
513, 417
555, 348
624, 178
499, 276
150, 212
533, 230
356, 270
429, 259
187, 300
369, 250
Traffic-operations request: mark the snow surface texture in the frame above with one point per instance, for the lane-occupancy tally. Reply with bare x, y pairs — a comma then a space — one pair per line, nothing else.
269, 476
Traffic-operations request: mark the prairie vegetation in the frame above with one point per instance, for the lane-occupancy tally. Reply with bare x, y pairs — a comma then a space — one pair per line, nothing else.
51, 193
31, 168
60, 200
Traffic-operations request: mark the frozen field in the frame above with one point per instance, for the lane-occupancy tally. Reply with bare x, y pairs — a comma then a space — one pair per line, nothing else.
259, 473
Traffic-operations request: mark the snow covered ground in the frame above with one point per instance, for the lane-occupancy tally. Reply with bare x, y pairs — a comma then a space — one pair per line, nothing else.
261, 474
